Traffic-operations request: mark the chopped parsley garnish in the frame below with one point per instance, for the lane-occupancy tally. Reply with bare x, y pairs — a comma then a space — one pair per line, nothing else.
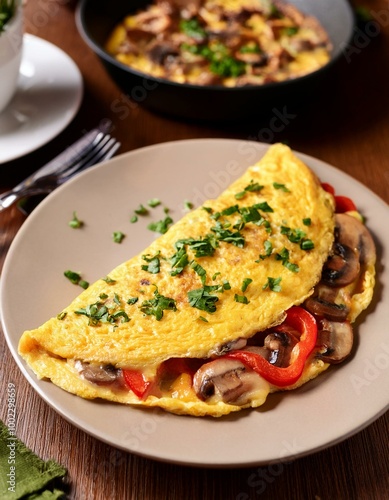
154, 202
200, 271
100, 313
273, 284
226, 285
203, 319
153, 265
215, 275
179, 260
284, 257
307, 221
292, 30
157, 305
217, 54
230, 210
193, 28
76, 279
293, 235
282, 187
208, 209
202, 299
203, 247
133, 300
252, 187
75, 223
298, 236
222, 234
275, 12
241, 299
250, 48
264, 207
141, 210
240, 195
118, 236
227, 66
133, 219
161, 226
109, 280
62, 315
188, 205
246, 283
250, 214
307, 244
268, 250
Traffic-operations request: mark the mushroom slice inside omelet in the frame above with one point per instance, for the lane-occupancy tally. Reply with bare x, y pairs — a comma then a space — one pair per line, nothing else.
251, 293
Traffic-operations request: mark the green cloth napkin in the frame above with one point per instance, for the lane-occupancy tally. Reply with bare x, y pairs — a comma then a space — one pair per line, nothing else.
24, 475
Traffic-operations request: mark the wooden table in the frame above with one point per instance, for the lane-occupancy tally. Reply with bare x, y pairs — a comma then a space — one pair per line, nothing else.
349, 128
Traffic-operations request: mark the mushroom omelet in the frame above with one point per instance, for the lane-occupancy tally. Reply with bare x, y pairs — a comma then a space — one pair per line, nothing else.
251, 293
232, 43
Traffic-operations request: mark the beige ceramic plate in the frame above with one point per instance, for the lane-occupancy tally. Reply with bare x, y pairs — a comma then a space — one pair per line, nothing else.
329, 409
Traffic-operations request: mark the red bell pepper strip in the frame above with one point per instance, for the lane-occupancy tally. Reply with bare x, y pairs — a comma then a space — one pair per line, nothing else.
136, 382
302, 321
344, 204
327, 187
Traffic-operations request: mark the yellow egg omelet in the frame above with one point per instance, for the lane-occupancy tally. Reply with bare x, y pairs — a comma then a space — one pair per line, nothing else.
226, 271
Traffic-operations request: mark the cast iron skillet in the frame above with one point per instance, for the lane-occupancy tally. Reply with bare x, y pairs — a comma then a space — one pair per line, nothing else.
96, 19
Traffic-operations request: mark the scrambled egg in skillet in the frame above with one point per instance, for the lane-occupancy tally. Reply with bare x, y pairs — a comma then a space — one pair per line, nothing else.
221, 42
247, 272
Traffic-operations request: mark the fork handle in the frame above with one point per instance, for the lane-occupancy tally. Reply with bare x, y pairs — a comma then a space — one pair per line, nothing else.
7, 199
10, 197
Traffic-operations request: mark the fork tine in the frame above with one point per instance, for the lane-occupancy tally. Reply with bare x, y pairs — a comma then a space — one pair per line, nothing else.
87, 157
107, 151
69, 157
104, 152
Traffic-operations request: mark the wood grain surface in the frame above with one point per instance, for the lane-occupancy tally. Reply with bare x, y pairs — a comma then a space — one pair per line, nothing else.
348, 127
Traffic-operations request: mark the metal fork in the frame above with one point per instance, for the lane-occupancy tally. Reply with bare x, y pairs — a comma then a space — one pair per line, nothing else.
93, 148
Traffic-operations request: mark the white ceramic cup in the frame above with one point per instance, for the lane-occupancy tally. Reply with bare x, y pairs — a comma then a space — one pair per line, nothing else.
11, 42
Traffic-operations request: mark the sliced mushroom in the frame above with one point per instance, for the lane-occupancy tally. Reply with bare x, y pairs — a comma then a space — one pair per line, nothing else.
353, 233
161, 52
254, 57
155, 20
353, 247
341, 268
335, 339
184, 8
327, 309
226, 380
280, 345
98, 374
228, 346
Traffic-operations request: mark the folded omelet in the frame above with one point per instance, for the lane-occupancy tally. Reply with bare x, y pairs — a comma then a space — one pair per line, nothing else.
230, 276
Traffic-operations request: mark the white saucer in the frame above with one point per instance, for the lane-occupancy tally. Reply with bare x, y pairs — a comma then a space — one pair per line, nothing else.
48, 96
